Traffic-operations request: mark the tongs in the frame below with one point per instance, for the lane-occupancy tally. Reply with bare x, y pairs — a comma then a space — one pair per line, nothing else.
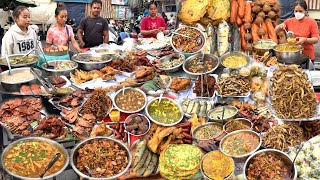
46, 84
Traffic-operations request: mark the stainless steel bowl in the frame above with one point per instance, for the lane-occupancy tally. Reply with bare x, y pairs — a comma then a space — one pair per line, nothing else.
125, 124
204, 125
15, 86
214, 58
288, 57
75, 152
244, 155
3, 61
160, 123
129, 88
168, 58
204, 40
283, 156
59, 72
226, 118
243, 120
234, 54
54, 143
83, 60
267, 45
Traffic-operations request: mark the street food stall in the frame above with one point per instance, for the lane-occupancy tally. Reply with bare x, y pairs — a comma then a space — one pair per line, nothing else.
221, 97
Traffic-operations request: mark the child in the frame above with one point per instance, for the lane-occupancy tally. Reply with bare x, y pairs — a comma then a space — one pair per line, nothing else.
59, 34
20, 38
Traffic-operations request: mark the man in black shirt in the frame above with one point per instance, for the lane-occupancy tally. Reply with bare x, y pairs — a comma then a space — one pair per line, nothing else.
94, 27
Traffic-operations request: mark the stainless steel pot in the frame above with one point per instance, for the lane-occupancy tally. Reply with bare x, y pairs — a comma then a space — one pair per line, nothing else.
54, 143
15, 86
85, 62
59, 72
263, 45
3, 61
288, 57
283, 156
75, 152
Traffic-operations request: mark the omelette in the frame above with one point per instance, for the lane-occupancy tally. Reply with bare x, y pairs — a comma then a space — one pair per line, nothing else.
180, 161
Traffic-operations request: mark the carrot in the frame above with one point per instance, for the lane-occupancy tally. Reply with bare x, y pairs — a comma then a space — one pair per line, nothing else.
234, 12
241, 7
254, 32
248, 13
242, 33
239, 21
271, 32
264, 26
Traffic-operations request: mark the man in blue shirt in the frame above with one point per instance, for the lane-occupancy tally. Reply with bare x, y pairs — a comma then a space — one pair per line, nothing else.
286, 9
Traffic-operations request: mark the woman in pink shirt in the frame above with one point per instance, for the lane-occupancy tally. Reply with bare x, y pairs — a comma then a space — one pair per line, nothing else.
59, 34
151, 25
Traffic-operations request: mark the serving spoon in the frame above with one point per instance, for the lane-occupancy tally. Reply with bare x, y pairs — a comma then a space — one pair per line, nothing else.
44, 57
28, 53
51, 163
8, 63
199, 40
89, 171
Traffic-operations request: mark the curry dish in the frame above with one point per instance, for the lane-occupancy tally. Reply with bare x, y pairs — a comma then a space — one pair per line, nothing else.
30, 158
165, 112
185, 44
131, 100
240, 143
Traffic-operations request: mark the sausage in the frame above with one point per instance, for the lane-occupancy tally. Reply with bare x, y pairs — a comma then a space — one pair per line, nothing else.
264, 26
242, 33
239, 21
125, 138
248, 13
187, 130
254, 32
113, 126
187, 141
234, 12
118, 126
241, 8
186, 135
184, 125
271, 31
116, 132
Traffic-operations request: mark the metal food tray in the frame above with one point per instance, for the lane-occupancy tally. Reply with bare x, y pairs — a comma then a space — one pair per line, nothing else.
316, 116
207, 99
56, 53
237, 96
194, 95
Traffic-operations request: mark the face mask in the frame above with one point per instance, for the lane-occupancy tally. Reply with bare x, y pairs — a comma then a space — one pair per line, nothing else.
298, 15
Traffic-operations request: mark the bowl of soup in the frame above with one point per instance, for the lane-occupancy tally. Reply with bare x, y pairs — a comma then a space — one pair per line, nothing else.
240, 144
130, 100
217, 113
27, 158
237, 124
165, 112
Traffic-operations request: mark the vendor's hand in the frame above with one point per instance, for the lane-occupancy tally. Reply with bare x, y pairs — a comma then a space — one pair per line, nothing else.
301, 40
161, 29
155, 31
81, 51
81, 44
282, 26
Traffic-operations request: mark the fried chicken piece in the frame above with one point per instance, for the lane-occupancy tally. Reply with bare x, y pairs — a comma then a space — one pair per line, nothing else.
108, 70
154, 142
143, 71
178, 84
71, 116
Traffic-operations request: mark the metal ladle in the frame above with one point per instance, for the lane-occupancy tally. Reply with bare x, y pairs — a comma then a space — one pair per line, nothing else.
28, 53
44, 56
51, 163
289, 34
199, 40
8, 63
